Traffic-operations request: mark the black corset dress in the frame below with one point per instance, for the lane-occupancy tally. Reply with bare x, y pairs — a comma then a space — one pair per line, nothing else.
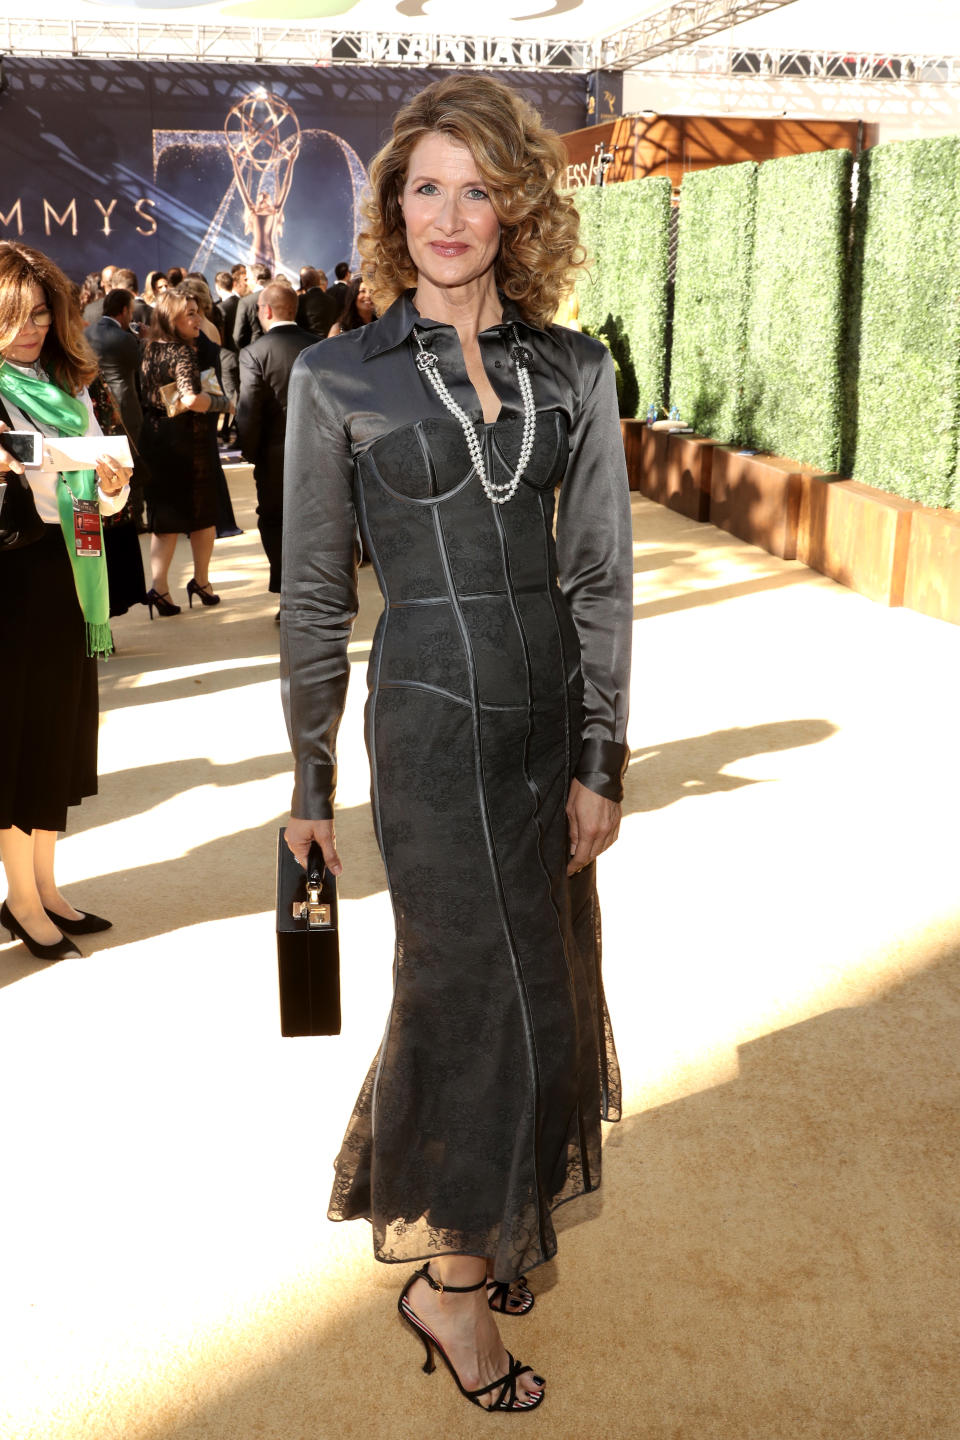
499, 671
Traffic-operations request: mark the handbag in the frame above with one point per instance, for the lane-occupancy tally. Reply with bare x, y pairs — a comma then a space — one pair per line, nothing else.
19, 522
308, 944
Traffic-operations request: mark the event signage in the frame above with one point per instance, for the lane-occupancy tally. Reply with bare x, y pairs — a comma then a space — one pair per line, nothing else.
153, 164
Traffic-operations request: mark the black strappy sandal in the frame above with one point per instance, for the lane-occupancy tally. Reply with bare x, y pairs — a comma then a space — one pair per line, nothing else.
507, 1397
500, 1293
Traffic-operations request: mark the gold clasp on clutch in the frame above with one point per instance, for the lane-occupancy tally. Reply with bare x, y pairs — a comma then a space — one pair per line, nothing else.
311, 910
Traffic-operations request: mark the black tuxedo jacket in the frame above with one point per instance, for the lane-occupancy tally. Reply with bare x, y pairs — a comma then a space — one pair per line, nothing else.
317, 311
246, 324
265, 367
118, 355
225, 319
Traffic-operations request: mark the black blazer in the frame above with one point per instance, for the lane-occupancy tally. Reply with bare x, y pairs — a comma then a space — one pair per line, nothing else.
142, 313
317, 311
225, 320
246, 324
118, 353
265, 367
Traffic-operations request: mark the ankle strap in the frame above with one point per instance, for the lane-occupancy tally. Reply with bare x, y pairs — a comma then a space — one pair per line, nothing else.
439, 1286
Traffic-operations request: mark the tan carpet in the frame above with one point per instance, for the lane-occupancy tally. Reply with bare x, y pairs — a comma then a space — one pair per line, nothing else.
774, 1253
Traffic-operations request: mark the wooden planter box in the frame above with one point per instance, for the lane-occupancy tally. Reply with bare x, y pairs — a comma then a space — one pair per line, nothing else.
894, 551
859, 536
646, 452
757, 497
932, 583
674, 470
689, 475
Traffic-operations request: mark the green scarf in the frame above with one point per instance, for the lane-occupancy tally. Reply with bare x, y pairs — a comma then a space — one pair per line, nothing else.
47, 403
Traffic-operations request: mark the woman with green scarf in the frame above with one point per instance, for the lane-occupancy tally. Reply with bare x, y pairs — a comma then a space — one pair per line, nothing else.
54, 603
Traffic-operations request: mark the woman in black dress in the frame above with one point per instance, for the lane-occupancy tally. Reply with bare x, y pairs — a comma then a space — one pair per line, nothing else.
476, 448
184, 474
54, 603
358, 308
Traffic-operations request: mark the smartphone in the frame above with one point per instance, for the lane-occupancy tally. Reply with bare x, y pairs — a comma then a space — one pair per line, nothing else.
24, 445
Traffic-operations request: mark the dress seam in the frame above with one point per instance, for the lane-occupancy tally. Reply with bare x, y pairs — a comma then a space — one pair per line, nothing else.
495, 867
375, 787
536, 813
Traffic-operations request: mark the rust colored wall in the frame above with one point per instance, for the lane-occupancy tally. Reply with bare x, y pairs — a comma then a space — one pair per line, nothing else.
674, 144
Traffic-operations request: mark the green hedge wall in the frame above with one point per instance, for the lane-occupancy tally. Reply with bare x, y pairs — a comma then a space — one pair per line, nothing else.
588, 284
793, 388
636, 259
623, 299
714, 258
903, 343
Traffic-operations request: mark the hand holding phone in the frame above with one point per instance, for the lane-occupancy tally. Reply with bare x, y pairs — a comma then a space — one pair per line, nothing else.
20, 448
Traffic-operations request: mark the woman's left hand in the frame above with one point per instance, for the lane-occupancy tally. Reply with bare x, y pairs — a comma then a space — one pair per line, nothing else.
594, 824
111, 475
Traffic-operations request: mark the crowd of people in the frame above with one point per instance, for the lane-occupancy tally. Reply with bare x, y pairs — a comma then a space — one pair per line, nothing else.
179, 332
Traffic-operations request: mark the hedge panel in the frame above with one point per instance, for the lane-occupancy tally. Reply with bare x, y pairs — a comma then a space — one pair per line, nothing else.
635, 253
793, 390
589, 281
714, 259
903, 344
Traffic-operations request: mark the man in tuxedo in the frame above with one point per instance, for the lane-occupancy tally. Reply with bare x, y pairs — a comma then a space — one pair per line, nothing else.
246, 324
94, 310
225, 315
118, 355
265, 366
142, 312
317, 309
338, 291
226, 308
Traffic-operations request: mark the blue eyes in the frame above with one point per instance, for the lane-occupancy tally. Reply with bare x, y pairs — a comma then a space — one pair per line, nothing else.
474, 193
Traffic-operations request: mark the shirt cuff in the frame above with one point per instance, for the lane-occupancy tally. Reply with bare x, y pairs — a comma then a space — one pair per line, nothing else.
602, 766
314, 788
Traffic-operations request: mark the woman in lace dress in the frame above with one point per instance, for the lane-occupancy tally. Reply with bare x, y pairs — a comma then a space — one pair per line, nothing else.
475, 447
184, 474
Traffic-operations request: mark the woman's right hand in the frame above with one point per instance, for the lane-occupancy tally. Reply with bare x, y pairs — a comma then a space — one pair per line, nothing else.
8, 461
301, 834
199, 404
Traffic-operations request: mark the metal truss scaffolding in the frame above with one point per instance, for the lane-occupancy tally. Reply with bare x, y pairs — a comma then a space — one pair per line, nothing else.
737, 64
284, 45
682, 23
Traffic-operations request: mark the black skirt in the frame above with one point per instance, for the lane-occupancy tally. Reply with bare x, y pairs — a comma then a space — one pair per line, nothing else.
49, 711
124, 566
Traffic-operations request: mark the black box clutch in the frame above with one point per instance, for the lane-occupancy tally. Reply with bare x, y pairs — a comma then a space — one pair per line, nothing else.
308, 944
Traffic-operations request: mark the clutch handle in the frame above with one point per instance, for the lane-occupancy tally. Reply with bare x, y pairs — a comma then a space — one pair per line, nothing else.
314, 909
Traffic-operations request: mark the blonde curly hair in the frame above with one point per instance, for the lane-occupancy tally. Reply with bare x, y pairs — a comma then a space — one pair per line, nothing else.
520, 161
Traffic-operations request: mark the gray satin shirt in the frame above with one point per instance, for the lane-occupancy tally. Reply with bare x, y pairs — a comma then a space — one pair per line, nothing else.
359, 406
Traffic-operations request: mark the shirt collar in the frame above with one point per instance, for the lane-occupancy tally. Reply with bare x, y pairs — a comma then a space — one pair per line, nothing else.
396, 325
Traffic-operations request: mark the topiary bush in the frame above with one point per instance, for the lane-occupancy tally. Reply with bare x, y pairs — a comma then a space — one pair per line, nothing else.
903, 342
711, 305
793, 390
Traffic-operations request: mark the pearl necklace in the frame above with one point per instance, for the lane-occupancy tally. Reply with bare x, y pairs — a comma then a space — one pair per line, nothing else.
498, 492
